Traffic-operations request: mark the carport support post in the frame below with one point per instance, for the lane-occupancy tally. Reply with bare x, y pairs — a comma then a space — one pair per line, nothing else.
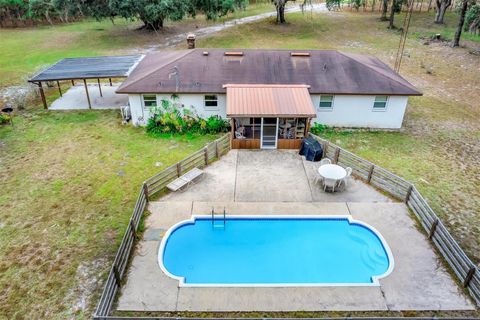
99, 87
88, 97
42, 94
59, 89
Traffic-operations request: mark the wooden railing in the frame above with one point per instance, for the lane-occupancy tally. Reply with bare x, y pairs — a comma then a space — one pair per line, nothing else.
463, 267
151, 186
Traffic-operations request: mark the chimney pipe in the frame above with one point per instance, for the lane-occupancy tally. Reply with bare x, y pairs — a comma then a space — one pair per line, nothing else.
191, 41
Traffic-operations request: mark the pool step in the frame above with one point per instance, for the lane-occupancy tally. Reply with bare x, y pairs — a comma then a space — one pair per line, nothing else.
222, 220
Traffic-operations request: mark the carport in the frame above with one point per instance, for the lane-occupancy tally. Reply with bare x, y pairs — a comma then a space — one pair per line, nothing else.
83, 69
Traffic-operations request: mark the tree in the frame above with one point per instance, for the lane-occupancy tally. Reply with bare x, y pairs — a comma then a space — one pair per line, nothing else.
214, 9
384, 10
356, 4
461, 21
395, 8
39, 9
332, 4
280, 7
152, 13
99, 9
442, 6
472, 19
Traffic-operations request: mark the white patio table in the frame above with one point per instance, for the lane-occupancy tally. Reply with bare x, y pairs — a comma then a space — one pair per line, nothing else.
332, 171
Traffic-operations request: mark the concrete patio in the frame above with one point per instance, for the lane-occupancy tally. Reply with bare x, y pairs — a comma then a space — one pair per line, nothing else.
75, 98
276, 183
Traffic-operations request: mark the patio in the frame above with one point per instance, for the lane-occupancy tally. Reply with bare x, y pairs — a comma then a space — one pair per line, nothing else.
281, 182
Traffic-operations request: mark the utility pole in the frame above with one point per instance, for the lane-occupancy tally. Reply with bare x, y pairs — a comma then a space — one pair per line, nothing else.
403, 37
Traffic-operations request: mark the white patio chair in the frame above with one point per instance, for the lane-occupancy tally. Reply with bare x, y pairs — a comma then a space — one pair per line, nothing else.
329, 183
344, 182
238, 135
325, 161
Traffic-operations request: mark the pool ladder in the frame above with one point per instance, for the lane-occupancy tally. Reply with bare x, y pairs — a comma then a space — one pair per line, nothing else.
223, 220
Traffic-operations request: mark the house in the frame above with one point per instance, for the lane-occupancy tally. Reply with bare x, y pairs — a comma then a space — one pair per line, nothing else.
271, 96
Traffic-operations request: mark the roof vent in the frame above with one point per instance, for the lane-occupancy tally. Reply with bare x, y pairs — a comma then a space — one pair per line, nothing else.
300, 54
205, 53
234, 53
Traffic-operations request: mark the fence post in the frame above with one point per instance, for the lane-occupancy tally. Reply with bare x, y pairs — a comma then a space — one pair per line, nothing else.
132, 226
370, 173
179, 169
325, 149
145, 191
409, 192
337, 154
117, 276
205, 154
216, 149
433, 229
469, 276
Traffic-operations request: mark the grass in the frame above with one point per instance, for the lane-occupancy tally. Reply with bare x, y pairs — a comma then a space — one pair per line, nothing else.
69, 178
42, 46
69, 182
438, 148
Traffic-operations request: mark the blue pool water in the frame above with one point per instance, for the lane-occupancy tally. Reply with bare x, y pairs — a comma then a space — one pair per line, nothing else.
267, 251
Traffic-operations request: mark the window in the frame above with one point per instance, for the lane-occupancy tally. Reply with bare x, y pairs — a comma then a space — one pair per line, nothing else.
149, 100
380, 103
211, 101
326, 102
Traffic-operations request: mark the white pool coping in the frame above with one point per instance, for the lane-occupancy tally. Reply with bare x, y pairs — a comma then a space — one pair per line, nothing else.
181, 280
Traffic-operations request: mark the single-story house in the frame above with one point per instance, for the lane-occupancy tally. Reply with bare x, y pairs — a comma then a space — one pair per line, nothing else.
271, 96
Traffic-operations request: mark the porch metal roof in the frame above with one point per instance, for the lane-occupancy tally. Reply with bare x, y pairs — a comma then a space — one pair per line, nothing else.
263, 100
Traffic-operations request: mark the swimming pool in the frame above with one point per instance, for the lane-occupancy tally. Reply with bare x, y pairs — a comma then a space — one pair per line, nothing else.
275, 251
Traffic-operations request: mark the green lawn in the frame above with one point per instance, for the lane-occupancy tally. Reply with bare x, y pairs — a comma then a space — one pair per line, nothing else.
438, 148
69, 181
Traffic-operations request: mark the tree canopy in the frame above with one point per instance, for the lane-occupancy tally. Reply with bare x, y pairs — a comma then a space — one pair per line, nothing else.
153, 13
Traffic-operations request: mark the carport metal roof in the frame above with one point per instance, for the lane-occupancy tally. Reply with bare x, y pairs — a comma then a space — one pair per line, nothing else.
106, 67
88, 68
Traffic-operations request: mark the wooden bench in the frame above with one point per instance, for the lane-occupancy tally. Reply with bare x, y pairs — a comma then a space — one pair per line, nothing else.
185, 179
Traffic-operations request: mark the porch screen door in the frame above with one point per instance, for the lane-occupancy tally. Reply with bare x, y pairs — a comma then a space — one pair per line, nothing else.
269, 133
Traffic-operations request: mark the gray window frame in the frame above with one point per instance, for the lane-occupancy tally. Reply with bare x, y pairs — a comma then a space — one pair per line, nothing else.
380, 109
320, 108
205, 100
149, 100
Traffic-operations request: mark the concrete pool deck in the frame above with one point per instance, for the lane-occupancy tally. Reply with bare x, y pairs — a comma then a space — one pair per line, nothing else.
276, 183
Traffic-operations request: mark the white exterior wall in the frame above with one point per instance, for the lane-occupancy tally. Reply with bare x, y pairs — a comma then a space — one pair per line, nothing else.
347, 111
357, 112
193, 102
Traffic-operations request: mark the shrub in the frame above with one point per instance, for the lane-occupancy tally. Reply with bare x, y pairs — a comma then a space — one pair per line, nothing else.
319, 128
172, 117
215, 124
4, 118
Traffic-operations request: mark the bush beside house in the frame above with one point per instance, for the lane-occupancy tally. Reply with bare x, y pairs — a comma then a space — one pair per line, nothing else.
172, 117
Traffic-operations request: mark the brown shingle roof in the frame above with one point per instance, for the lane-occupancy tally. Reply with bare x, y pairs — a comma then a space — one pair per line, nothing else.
259, 100
325, 71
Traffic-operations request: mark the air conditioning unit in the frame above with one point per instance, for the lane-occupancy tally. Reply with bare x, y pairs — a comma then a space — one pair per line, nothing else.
126, 114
